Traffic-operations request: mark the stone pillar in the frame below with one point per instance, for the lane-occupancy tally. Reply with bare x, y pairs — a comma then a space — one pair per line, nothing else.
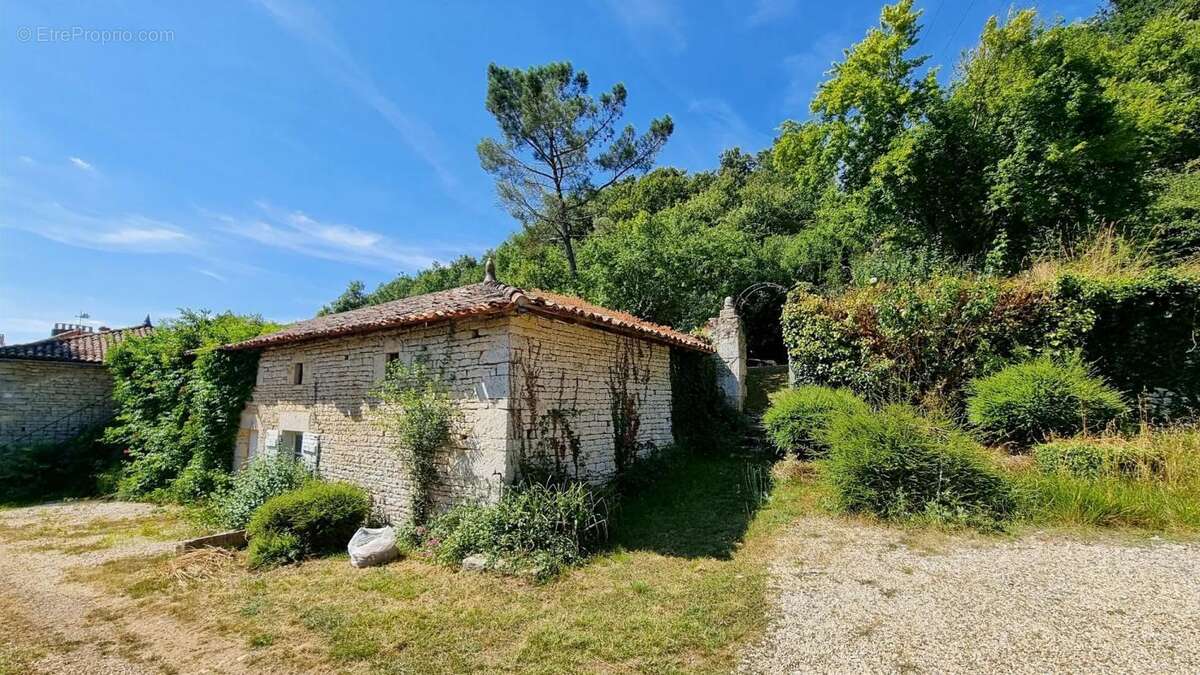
729, 338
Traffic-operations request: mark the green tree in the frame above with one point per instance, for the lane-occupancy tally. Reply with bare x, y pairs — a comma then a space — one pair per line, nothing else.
874, 95
351, 298
559, 147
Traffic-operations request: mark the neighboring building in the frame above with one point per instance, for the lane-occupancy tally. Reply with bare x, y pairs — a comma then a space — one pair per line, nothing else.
52, 389
541, 379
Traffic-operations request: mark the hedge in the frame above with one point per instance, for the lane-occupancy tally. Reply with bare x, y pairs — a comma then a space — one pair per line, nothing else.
925, 341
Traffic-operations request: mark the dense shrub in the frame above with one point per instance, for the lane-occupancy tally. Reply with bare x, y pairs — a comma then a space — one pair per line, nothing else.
1151, 480
895, 464
541, 528
1089, 458
260, 480
42, 471
913, 342
320, 516
920, 341
798, 418
1032, 401
178, 403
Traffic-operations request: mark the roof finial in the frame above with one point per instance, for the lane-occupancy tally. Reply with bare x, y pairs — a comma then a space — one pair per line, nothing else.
489, 271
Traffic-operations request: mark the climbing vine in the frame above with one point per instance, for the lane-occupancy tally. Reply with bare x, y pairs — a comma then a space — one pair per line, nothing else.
178, 402
418, 413
628, 376
548, 447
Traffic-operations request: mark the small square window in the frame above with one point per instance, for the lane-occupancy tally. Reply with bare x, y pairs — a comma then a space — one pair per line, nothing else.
298, 373
393, 356
292, 442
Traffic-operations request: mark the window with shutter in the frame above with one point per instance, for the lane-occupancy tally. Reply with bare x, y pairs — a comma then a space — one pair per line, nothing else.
310, 451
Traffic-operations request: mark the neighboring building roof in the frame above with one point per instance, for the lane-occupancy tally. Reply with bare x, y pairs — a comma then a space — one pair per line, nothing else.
482, 299
74, 347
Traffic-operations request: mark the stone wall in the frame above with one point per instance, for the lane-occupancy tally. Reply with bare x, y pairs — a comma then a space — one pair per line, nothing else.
729, 339
52, 400
526, 386
332, 407
566, 378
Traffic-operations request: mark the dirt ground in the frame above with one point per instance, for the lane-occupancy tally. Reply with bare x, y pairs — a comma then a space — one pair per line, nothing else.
51, 624
845, 597
848, 597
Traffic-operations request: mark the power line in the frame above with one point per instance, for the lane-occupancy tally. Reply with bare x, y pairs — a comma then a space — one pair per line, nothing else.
936, 13
961, 19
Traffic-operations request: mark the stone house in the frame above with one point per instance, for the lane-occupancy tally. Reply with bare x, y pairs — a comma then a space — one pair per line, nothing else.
540, 379
52, 389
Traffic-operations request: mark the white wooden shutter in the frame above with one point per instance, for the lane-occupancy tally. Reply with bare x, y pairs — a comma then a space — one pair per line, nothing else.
271, 446
310, 451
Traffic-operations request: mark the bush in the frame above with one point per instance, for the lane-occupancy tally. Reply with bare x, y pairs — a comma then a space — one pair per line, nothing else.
320, 516
1088, 458
260, 480
43, 471
178, 400
914, 341
1151, 480
543, 528
275, 548
1032, 401
798, 418
896, 464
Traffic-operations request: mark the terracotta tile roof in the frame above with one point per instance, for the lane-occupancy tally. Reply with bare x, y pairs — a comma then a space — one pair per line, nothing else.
488, 297
73, 347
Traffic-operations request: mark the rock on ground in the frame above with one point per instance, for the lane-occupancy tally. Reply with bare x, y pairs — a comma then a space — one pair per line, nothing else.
850, 597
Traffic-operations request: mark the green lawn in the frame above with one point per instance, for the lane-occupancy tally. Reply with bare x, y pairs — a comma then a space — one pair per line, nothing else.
682, 588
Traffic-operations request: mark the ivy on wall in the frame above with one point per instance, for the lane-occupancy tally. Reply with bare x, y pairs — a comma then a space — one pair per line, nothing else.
701, 419
418, 413
178, 402
628, 377
548, 448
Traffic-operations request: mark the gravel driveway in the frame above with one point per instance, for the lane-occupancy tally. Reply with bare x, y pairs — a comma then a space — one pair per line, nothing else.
50, 624
849, 597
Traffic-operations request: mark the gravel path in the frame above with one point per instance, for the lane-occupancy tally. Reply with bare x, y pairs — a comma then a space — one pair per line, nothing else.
849, 597
75, 628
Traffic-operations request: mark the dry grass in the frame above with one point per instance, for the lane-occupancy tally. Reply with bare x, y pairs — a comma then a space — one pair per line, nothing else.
682, 590
1161, 494
21, 643
73, 537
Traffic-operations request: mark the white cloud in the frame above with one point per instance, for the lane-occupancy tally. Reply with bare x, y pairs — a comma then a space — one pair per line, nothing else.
660, 17
766, 11
298, 232
213, 275
306, 23
132, 233
81, 164
726, 127
26, 159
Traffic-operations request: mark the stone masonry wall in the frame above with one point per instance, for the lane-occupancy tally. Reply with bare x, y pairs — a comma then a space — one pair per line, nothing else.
333, 404
34, 394
564, 380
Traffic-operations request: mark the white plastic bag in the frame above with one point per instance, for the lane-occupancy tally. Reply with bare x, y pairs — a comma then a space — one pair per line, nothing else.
372, 546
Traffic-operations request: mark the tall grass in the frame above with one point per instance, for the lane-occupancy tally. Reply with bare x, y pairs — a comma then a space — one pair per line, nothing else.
1154, 485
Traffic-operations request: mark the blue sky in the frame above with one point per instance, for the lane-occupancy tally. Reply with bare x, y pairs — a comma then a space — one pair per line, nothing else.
257, 156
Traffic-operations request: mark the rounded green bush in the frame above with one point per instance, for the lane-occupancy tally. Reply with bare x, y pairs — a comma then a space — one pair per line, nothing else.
798, 418
896, 464
321, 516
1033, 401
